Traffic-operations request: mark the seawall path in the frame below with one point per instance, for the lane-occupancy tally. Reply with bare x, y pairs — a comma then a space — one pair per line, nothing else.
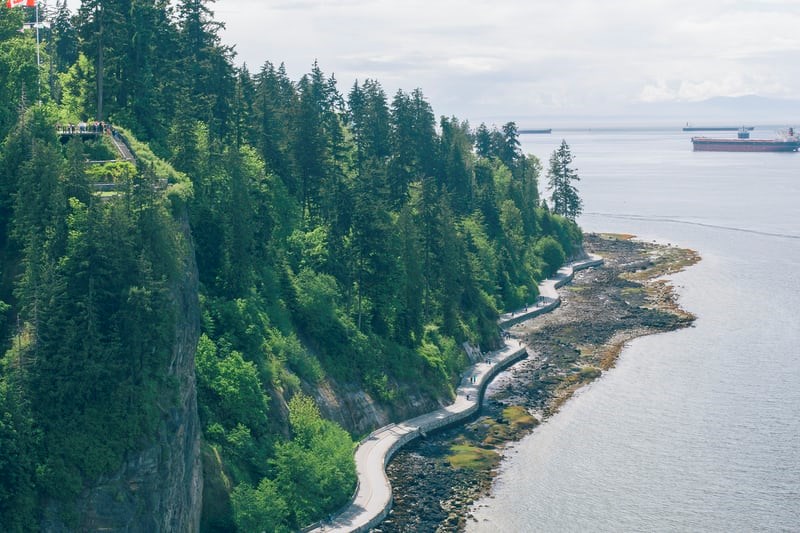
373, 497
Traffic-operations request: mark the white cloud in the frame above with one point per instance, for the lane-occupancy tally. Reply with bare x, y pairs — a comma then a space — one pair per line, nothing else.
481, 58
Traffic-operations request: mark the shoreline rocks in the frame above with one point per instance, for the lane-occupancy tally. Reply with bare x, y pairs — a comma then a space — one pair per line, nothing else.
601, 310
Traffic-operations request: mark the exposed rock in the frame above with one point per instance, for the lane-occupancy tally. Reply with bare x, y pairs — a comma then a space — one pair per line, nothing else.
359, 413
602, 310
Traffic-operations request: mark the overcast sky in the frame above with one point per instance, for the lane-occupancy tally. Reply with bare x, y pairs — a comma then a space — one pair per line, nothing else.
498, 60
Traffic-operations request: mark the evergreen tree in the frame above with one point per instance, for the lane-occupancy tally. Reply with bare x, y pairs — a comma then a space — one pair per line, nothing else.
205, 67
64, 44
564, 194
508, 149
483, 142
414, 143
374, 248
275, 100
410, 320
456, 166
100, 28
18, 71
369, 121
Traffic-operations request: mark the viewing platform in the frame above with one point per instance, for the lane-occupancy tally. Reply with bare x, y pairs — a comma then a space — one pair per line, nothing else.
94, 130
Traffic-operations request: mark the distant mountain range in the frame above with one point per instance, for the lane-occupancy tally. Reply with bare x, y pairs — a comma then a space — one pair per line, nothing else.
752, 110
721, 111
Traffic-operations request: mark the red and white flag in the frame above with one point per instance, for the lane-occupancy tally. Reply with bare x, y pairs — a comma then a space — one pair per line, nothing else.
18, 3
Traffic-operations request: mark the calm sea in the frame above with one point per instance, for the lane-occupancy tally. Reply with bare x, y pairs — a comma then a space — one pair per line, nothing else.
693, 430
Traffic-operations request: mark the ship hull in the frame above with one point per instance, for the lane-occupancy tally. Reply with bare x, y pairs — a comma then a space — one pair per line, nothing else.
743, 145
717, 128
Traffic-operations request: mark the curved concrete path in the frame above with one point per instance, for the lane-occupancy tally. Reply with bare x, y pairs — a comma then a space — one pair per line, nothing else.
373, 498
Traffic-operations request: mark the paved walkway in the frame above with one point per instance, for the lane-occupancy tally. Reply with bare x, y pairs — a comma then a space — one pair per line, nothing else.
373, 497
122, 148
548, 294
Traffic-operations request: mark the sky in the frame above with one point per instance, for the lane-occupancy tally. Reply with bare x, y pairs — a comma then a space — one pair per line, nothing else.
531, 60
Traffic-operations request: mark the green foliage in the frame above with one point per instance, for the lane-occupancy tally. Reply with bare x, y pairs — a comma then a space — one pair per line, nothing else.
161, 169
97, 317
314, 474
231, 388
119, 172
336, 238
441, 353
4, 309
260, 509
18, 71
77, 91
551, 253
19, 445
290, 350
315, 470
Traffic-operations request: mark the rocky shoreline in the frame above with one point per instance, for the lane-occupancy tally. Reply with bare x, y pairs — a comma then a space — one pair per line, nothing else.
601, 310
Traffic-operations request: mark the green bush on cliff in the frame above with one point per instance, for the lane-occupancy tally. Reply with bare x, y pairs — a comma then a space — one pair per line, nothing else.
314, 473
262, 508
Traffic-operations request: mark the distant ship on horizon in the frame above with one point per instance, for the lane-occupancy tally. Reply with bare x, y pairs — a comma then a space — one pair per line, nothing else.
544, 131
716, 128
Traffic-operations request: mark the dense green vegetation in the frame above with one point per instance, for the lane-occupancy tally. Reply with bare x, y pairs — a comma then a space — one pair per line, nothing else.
339, 238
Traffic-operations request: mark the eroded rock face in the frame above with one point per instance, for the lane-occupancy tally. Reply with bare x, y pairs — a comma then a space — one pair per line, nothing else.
359, 413
158, 489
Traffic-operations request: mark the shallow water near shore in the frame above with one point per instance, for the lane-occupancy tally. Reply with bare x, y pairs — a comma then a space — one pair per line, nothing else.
697, 429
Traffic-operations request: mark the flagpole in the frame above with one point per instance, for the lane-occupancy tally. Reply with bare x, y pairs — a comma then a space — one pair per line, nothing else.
38, 56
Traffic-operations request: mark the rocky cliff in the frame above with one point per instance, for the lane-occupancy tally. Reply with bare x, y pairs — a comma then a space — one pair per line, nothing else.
159, 488
359, 413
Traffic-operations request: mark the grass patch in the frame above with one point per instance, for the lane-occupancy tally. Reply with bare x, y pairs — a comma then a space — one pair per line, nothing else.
588, 373
617, 236
514, 422
472, 457
519, 417
630, 291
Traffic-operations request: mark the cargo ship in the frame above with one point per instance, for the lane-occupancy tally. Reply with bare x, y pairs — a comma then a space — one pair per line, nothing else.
544, 131
716, 128
787, 142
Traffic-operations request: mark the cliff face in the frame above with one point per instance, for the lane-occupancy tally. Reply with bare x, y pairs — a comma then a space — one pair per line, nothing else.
359, 413
159, 488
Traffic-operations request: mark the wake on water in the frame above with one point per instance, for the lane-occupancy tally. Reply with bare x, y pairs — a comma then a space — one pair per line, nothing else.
691, 223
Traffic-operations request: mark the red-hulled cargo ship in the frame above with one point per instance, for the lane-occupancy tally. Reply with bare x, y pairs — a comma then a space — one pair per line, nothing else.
788, 142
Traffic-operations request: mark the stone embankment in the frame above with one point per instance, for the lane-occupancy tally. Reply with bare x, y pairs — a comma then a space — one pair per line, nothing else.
373, 497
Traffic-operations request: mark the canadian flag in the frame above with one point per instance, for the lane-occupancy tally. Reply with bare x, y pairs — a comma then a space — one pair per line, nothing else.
17, 3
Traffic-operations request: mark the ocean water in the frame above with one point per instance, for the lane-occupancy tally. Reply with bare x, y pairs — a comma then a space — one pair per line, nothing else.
693, 430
